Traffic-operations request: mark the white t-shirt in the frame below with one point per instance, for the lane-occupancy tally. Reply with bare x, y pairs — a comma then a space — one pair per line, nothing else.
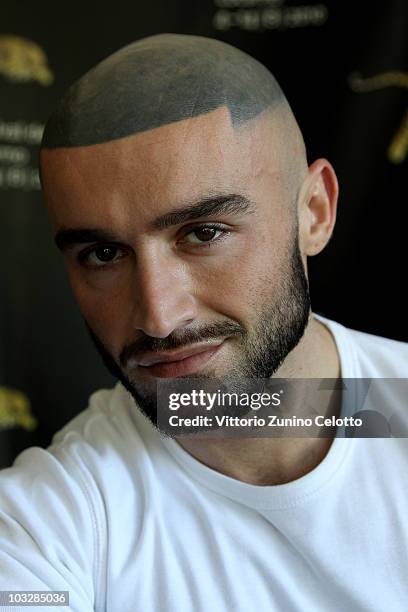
126, 520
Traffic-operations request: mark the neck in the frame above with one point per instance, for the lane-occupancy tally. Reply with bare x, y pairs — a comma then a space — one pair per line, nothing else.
271, 461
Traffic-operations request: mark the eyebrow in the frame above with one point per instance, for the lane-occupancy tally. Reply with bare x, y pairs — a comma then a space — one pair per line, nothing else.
69, 238
219, 205
226, 204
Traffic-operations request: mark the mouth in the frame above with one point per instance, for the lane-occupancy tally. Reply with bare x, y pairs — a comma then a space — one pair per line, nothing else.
171, 365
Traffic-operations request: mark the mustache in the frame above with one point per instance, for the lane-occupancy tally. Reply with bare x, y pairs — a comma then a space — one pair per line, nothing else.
180, 339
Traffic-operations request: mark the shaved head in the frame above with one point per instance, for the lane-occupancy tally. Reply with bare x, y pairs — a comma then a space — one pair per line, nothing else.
160, 80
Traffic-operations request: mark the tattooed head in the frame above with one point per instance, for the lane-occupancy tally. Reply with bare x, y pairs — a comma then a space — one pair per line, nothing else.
157, 81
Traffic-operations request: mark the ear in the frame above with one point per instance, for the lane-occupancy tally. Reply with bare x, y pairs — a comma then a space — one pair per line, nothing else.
317, 207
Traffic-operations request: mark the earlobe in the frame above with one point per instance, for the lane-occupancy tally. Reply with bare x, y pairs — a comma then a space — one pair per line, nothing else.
319, 206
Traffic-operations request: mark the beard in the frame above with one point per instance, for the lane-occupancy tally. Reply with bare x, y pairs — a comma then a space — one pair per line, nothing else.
279, 326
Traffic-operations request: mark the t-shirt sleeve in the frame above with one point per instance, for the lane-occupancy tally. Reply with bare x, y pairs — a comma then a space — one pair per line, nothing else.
50, 528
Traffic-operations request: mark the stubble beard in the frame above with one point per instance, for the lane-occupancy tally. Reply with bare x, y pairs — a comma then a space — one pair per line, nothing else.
279, 327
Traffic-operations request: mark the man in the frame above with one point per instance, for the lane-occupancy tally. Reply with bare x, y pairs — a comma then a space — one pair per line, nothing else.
177, 185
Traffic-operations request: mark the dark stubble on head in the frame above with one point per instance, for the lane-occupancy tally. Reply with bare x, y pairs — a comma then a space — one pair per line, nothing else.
280, 325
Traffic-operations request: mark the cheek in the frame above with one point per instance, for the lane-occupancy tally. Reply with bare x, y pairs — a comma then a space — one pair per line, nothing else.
234, 284
105, 304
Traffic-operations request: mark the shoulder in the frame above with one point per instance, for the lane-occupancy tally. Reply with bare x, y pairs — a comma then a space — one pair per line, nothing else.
91, 460
374, 356
104, 439
379, 356
56, 505
107, 416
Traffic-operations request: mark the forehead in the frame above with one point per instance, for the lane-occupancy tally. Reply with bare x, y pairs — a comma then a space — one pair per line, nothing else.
150, 171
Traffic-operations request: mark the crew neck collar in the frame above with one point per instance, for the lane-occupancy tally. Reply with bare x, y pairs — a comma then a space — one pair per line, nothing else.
293, 493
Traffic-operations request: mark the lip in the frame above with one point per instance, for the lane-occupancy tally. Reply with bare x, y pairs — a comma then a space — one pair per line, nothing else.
173, 356
186, 362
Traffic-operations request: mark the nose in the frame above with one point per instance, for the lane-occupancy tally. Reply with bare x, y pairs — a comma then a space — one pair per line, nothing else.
163, 300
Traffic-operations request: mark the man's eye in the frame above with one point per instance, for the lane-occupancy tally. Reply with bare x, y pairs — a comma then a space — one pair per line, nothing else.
100, 256
205, 234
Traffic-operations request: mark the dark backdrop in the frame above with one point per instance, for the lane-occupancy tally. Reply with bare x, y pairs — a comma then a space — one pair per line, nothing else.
343, 68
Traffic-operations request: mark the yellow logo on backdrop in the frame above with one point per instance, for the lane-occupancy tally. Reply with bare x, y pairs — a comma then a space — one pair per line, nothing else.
398, 148
22, 60
15, 410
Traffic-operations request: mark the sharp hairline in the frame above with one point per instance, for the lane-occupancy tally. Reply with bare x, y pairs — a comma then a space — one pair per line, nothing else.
223, 204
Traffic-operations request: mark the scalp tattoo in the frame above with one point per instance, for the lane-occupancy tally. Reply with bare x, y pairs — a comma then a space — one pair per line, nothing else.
160, 80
